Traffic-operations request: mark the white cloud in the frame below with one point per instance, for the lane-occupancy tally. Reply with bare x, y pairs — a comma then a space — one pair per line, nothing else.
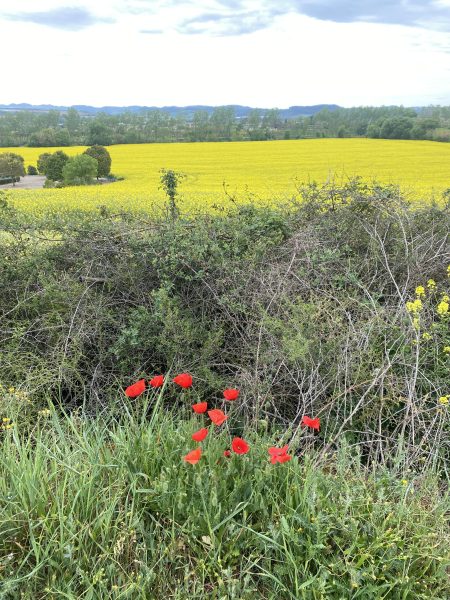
290, 59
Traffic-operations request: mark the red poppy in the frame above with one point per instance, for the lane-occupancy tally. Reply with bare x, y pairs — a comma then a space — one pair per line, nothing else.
278, 451
281, 458
157, 381
184, 380
200, 407
227, 453
231, 394
193, 456
217, 416
240, 446
135, 390
200, 435
313, 423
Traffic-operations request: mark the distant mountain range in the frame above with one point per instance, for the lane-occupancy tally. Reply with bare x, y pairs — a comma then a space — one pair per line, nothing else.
175, 111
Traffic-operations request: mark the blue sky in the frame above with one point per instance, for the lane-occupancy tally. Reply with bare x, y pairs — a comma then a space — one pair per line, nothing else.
260, 53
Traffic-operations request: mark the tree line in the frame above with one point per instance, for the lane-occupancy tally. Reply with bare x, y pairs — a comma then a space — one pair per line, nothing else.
58, 168
54, 128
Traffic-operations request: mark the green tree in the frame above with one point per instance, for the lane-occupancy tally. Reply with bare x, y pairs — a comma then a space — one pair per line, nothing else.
12, 165
80, 170
73, 120
55, 164
103, 158
169, 183
42, 162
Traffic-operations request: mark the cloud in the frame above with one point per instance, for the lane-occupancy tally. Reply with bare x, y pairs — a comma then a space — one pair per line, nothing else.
224, 25
421, 13
68, 18
236, 17
151, 31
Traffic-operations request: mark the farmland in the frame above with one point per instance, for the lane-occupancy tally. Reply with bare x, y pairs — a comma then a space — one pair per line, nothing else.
256, 171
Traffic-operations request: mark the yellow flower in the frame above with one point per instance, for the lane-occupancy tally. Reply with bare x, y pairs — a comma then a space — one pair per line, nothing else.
414, 307
404, 482
443, 400
442, 308
6, 420
445, 298
426, 336
431, 284
11, 390
416, 322
446, 350
448, 270
420, 291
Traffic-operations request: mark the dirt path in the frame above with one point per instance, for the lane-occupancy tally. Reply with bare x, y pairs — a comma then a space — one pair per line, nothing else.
29, 182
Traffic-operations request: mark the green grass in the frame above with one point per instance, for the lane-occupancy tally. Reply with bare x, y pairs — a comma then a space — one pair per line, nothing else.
101, 508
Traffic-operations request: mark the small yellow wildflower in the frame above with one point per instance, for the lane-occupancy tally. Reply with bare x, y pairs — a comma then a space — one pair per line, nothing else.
426, 336
11, 390
443, 400
416, 322
6, 419
442, 308
420, 291
431, 285
446, 350
44, 413
414, 307
404, 482
445, 298
448, 271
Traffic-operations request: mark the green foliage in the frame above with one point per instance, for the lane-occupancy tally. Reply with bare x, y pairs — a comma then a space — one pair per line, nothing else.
80, 170
307, 305
107, 508
42, 162
53, 165
31, 170
11, 166
169, 182
103, 158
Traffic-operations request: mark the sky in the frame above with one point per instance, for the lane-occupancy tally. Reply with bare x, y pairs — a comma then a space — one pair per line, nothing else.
266, 53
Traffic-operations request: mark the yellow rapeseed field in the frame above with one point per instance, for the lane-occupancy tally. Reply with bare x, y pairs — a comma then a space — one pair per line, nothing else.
260, 171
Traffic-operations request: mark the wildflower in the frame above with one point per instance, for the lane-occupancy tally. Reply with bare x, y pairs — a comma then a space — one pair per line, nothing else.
11, 390
44, 412
313, 423
239, 446
445, 298
184, 380
278, 451
414, 307
200, 407
157, 381
135, 390
231, 394
448, 271
281, 459
279, 455
442, 308
416, 322
217, 416
227, 453
443, 400
426, 336
446, 350
193, 456
420, 291
200, 435
404, 482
